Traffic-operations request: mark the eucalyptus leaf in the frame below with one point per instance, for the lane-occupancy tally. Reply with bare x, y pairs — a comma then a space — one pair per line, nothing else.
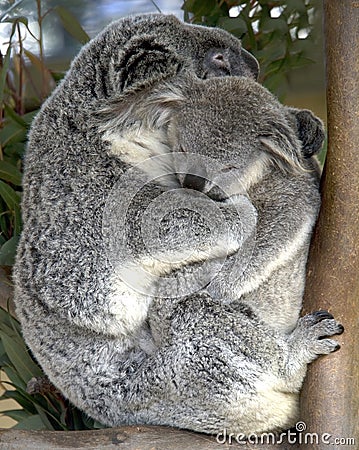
37, 405
270, 25
21, 400
8, 330
201, 7
235, 25
88, 421
11, 114
45, 420
9, 172
4, 360
71, 24
6, 65
14, 377
12, 133
14, 151
44, 74
98, 425
18, 19
7, 320
296, 6
3, 73
77, 421
2, 353
57, 76
299, 61
29, 117
31, 423
17, 414
15, 324
4, 223
12, 201
20, 358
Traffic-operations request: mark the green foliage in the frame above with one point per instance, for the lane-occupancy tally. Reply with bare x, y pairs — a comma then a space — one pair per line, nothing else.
45, 409
278, 32
25, 82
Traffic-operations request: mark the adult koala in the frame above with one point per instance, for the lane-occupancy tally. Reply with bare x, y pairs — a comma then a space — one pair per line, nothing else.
228, 354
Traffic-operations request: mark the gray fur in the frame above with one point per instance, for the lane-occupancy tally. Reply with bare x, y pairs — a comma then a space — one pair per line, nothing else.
231, 354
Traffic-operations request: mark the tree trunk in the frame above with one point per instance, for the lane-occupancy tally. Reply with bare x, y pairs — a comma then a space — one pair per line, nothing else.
330, 398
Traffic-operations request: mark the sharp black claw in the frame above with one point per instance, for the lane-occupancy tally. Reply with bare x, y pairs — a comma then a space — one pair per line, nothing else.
322, 315
337, 347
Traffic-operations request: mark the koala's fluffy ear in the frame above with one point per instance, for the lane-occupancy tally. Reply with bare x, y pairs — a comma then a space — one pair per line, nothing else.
142, 62
136, 127
251, 62
139, 117
310, 131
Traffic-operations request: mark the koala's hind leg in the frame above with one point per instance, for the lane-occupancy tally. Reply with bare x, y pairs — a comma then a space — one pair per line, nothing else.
309, 340
216, 368
276, 379
254, 372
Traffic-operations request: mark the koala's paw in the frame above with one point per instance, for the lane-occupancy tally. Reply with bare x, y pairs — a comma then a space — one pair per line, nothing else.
313, 331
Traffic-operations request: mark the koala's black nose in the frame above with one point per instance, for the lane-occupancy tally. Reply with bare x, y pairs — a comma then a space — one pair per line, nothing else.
194, 182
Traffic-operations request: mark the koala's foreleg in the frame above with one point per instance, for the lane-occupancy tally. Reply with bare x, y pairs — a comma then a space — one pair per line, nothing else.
177, 239
283, 227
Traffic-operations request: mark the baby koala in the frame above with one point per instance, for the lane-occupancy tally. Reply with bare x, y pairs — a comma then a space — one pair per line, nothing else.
225, 152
